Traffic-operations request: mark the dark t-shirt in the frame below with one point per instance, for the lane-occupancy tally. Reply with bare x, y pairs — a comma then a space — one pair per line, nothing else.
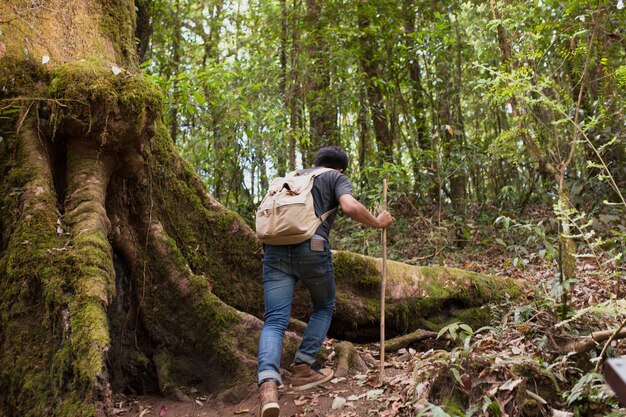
327, 188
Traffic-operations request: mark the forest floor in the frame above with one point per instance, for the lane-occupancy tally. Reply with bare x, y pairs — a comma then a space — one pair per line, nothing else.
496, 371
361, 394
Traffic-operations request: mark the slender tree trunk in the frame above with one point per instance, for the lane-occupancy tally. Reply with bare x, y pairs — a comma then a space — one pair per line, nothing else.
321, 104
176, 40
419, 104
296, 97
282, 157
219, 138
458, 182
144, 29
371, 66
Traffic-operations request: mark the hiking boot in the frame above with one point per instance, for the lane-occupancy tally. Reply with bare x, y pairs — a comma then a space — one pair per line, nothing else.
268, 394
304, 377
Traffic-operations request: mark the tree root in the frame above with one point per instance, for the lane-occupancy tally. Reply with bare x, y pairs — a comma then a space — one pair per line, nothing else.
587, 343
296, 325
88, 174
347, 358
397, 343
168, 389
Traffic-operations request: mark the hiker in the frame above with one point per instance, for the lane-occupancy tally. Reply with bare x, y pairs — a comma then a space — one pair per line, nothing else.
310, 262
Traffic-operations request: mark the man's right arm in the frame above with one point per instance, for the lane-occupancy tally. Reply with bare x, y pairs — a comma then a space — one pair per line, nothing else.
357, 211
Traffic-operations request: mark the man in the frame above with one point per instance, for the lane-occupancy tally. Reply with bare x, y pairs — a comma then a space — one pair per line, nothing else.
311, 263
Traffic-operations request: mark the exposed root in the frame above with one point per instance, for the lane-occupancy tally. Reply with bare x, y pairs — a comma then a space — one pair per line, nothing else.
176, 274
587, 343
397, 343
88, 174
166, 385
348, 358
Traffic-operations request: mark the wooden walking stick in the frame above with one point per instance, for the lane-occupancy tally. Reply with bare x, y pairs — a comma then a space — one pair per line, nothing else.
382, 290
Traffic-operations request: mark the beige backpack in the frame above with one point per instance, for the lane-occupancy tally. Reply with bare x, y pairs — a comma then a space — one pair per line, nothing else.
286, 215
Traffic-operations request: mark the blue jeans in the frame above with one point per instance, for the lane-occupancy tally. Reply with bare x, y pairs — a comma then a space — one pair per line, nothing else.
283, 266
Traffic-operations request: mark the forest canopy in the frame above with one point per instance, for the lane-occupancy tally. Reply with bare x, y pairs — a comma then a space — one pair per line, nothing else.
460, 102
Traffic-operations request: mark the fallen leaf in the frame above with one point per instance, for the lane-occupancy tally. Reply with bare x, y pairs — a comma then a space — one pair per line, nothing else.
510, 385
373, 394
242, 411
466, 380
421, 390
338, 403
559, 413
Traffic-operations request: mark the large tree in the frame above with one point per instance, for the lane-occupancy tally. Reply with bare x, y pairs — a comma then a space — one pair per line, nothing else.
118, 271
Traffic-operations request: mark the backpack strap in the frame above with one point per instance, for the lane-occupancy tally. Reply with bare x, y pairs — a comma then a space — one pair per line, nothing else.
316, 172
326, 215
319, 171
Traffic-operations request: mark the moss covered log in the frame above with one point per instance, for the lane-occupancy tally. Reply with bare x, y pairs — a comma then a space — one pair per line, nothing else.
417, 297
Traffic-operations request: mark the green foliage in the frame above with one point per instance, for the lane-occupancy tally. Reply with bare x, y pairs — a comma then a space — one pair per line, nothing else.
244, 83
530, 241
240, 80
589, 389
620, 76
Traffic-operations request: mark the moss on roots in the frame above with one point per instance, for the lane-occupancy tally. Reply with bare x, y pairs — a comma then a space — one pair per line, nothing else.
36, 359
89, 100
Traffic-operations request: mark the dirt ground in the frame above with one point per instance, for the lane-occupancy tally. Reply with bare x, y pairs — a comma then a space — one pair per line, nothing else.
358, 395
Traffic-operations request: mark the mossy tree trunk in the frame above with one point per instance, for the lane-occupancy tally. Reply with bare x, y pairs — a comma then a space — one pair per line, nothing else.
114, 260
118, 271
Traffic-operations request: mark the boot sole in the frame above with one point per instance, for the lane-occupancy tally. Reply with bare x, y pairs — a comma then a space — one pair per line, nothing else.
312, 384
270, 410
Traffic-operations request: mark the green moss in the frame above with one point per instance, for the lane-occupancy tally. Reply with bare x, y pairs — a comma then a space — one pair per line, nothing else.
201, 327
119, 26
20, 77
417, 297
353, 271
474, 317
89, 336
38, 356
205, 234
88, 94
73, 405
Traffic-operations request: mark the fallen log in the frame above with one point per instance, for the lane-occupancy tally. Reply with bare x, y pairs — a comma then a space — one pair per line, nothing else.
418, 297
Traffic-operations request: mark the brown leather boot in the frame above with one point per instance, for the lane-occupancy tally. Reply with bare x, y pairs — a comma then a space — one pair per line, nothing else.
268, 395
304, 377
